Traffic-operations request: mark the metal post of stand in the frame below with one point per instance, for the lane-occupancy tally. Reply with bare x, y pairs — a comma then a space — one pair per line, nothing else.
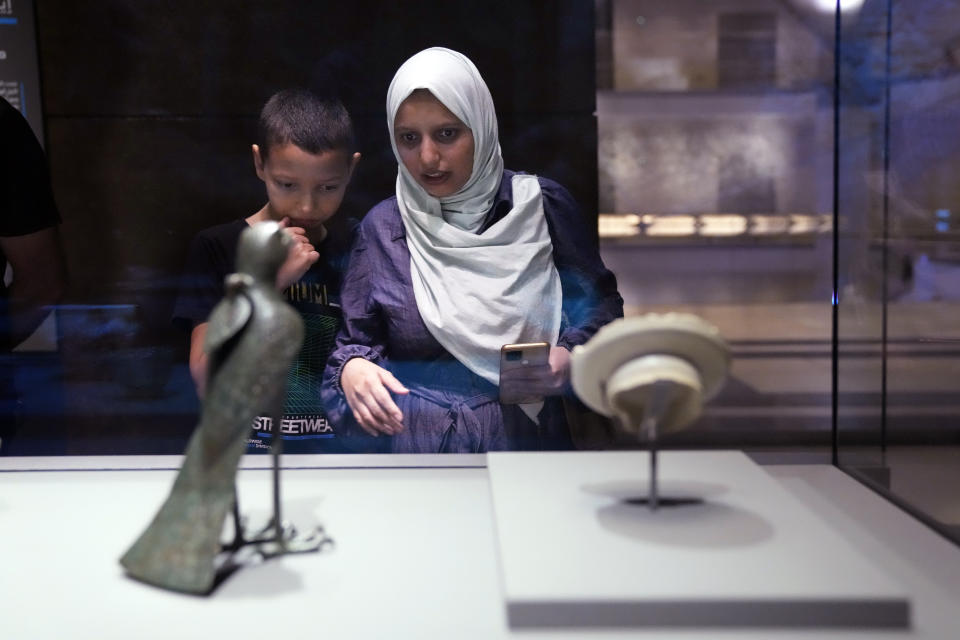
650, 430
277, 447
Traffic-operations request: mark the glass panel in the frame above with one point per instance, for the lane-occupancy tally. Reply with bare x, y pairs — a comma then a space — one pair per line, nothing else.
715, 177
899, 340
859, 183
146, 156
715, 128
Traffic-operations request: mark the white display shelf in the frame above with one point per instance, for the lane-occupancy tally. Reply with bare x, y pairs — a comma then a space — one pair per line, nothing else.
415, 555
578, 549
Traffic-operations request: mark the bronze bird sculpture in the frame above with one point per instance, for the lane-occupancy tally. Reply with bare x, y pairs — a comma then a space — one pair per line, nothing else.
252, 338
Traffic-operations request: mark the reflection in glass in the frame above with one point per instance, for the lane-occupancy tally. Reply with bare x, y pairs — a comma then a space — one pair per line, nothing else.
677, 225
715, 158
721, 170
723, 225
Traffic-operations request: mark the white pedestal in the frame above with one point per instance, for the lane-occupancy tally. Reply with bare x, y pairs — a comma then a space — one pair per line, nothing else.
575, 550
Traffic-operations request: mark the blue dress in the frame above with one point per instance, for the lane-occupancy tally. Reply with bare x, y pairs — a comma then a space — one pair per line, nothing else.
449, 408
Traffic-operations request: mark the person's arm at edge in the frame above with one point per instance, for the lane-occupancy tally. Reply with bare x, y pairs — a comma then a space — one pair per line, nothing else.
198, 358
39, 278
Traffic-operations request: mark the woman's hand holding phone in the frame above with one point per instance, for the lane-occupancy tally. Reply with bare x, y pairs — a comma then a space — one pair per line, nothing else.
367, 388
535, 380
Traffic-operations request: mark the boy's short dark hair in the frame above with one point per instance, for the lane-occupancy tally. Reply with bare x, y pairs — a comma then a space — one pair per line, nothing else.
312, 122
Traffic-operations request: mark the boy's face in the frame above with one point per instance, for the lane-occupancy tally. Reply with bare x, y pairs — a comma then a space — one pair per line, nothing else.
305, 187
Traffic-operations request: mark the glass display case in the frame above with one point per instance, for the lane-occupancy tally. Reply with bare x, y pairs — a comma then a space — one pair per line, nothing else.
784, 169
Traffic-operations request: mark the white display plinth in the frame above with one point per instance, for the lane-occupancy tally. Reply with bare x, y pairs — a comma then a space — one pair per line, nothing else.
577, 549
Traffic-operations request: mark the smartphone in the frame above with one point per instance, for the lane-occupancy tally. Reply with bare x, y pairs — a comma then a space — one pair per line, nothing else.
516, 356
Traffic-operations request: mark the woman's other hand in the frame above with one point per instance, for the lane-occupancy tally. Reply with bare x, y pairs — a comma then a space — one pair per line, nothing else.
547, 380
367, 388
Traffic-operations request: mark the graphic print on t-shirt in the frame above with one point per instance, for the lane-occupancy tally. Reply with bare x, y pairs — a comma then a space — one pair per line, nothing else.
303, 415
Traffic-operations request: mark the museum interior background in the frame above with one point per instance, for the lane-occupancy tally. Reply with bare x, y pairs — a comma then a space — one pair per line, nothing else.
788, 172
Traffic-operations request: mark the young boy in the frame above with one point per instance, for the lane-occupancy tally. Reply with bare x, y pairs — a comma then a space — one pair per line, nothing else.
305, 156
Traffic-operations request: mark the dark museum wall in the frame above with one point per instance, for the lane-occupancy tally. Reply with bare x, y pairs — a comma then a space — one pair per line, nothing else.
150, 109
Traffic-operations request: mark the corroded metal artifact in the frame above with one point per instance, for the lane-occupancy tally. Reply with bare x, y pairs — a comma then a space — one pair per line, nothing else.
252, 338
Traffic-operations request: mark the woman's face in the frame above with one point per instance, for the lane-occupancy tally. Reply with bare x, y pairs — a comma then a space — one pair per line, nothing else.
434, 145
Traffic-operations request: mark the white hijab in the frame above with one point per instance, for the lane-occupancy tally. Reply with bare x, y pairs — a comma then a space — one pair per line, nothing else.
475, 292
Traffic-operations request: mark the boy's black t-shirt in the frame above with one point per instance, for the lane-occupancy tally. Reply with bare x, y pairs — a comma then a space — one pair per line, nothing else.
212, 256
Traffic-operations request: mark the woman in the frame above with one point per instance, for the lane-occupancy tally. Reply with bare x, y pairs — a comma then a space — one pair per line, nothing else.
465, 258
